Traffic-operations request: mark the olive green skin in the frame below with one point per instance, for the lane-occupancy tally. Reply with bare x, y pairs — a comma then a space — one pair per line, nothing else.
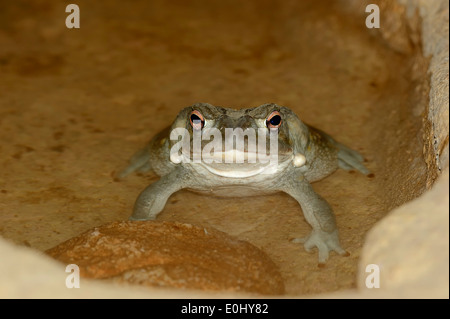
321, 155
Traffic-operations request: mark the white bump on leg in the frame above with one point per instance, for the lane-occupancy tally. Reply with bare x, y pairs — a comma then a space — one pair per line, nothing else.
299, 160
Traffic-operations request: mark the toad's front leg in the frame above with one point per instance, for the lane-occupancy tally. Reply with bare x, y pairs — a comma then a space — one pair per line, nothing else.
153, 199
318, 214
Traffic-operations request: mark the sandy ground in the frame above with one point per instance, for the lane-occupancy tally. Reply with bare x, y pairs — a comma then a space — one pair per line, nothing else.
76, 104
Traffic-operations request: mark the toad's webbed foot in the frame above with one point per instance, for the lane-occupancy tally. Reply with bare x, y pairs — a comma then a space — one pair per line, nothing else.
325, 242
153, 199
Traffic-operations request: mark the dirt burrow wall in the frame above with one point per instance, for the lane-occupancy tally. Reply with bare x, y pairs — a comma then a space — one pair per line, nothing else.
411, 244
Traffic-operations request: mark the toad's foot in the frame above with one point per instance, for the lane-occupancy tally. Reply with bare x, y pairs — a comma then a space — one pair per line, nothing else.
325, 242
147, 207
153, 199
140, 219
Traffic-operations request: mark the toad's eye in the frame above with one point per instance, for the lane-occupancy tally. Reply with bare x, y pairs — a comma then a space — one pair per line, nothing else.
273, 120
197, 120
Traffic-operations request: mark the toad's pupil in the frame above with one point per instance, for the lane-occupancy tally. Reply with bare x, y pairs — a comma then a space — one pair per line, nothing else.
195, 118
275, 120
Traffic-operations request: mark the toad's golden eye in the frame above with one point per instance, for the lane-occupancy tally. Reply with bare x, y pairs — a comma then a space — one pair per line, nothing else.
273, 120
197, 120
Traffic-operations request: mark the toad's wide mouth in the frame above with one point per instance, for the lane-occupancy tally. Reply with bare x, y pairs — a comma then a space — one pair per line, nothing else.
240, 170
237, 164
232, 148
233, 157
